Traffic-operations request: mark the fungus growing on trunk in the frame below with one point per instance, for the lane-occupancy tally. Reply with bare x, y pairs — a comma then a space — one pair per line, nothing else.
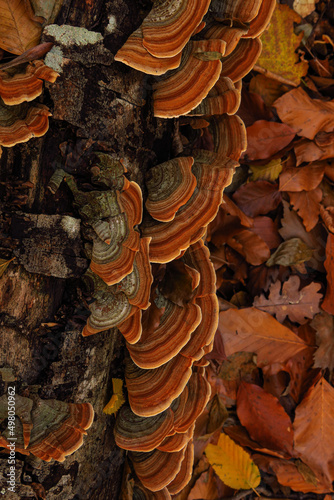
224, 97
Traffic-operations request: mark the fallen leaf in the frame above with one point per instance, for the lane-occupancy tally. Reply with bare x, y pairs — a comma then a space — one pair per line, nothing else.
307, 204
327, 215
328, 303
267, 230
290, 253
269, 172
304, 7
265, 139
117, 399
18, 32
217, 414
253, 108
231, 208
256, 198
268, 89
4, 264
323, 324
279, 43
307, 116
287, 474
233, 464
260, 278
264, 418
240, 435
250, 245
314, 430
252, 330
297, 304
301, 178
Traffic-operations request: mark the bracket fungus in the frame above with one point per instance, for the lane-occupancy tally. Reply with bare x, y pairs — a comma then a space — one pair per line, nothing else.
47, 428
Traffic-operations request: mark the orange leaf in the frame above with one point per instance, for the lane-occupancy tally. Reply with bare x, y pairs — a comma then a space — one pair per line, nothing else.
307, 204
323, 324
301, 178
256, 331
307, 116
251, 246
264, 418
328, 303
256, 198
264, 139
314, 430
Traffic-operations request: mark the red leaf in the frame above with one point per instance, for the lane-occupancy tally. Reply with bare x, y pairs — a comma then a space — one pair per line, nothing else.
328, 303
266, 228
265, 138
301, 178
256, 198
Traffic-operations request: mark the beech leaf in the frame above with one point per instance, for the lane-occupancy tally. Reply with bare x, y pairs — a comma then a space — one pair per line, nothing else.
323, 324
269, 172
233, 464
290, 253
279, 43
256, 198
265, 138
301, 178
297, 304
117, 399
18, 32
264, 418
307, 204
308, 116
314, 429
253, 330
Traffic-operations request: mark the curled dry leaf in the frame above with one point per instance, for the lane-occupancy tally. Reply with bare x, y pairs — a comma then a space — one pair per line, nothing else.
252, 330
233, 464
328, 303
264, 139
297, 304
307, 204
256, 198
264, 418
291, 253
323, 324
302, 178
314, 430
279, 44
307, 116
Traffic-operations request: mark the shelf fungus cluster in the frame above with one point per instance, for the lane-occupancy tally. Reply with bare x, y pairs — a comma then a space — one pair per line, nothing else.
45, 428
21, 120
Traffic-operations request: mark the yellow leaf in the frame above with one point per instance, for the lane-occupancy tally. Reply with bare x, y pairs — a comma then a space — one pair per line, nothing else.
18, 32
4, 264
117, 399
233, 464
269, 172
279, 44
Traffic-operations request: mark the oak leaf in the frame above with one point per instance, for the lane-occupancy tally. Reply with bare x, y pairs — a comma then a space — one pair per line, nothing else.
323, 324
290, 253
256, 331
265, 139
308, 116
301, 178
297, 304
256, 198
314, 430
233, 464
18, 31
269, 172
279, 44
264, 418
307, 204
328, 303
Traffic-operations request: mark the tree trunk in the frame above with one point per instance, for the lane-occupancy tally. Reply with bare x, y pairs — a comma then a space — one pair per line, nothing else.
97, 105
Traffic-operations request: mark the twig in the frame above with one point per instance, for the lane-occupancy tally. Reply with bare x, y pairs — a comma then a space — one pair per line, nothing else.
274, 76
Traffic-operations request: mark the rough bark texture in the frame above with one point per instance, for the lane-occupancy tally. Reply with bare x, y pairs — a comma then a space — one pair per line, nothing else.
96, 105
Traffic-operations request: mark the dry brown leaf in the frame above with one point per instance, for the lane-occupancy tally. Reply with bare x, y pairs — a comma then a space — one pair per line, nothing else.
268, 89
314, 430
265, 139
251, 246
18, 32
304, 7
307, 151
301, 178
297, 304
307, 116
256, 198
231, 208
267, 230
307, 204
264, 418
327, 215
256, 331
323, 324
328, 303
290, 253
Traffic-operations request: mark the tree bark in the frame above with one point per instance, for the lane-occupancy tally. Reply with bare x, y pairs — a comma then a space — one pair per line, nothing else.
97, 105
